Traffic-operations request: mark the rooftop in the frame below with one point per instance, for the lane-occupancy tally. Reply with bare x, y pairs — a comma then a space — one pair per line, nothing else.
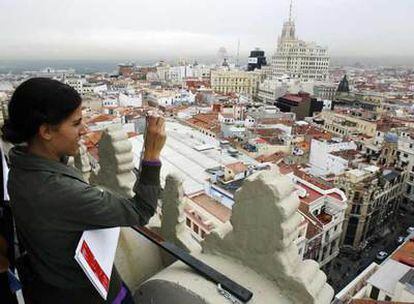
346, 154
296, 98
405, 254
212, 206
101, 118
273, 158
237, 167
182, 155
208, 121
387, 277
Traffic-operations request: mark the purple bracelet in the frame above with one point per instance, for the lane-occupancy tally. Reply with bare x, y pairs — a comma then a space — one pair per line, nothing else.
151, 163
121, 295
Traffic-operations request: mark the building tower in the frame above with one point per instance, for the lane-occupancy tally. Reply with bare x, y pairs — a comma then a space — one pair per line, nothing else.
289, 29
297, 58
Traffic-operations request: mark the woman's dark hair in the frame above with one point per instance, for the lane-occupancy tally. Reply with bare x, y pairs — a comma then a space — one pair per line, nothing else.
37, 101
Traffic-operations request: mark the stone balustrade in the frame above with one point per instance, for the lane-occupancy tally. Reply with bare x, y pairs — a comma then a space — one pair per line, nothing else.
257, 251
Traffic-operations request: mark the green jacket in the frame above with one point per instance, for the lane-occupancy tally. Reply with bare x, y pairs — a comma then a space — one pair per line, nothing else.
52, 205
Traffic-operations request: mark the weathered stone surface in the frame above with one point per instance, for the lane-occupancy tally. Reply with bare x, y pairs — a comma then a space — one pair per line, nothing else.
136, 258
264, 228
173, 227
116, 162
185, 283
257, 250
81, 161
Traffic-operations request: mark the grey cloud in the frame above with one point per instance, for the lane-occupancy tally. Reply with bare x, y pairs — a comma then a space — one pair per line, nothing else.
127, 28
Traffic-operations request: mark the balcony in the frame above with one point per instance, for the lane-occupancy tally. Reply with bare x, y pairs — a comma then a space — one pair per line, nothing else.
256, 249
324, 218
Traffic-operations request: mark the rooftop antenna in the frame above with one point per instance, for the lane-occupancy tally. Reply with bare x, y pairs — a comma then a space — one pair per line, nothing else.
290, 10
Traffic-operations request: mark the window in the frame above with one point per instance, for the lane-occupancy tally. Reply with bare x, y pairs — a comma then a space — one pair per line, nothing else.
351, 230
355, 209
195, 228
387, 298
374, 293
188, 222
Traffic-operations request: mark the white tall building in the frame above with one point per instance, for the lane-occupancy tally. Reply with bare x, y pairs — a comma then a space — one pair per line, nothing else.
297, 58
324, 158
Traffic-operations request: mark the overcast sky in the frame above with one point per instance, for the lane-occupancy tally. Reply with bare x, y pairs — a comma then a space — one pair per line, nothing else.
132, 29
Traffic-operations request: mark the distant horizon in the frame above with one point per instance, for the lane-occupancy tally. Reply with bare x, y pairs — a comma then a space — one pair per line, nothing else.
110, 65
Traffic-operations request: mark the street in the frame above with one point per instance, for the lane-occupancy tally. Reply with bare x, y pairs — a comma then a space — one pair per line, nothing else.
346, 266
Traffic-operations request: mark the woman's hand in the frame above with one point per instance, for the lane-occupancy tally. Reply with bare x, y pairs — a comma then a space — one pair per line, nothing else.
154, 138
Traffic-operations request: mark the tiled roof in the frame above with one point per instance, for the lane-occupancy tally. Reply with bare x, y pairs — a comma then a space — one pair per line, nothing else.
238, 167
311, 195
405, 254
101, 118
312, 132
274, 157
275, 121
292, 97
346, 154
91, 139
312, 179
260, 141
269, 132
208, 121
213, 207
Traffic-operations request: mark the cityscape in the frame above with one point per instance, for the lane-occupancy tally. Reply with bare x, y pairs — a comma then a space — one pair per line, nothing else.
339, 135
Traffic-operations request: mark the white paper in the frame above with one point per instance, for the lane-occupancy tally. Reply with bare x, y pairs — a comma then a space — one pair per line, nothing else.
5, 173
102, 244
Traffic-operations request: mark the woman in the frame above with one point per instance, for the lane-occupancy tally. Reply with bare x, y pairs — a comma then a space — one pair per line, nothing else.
52, 204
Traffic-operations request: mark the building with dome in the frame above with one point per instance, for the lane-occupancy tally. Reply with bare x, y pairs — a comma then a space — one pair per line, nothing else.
343, 86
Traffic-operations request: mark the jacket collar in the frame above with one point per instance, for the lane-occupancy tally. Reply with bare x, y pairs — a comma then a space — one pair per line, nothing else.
20, 159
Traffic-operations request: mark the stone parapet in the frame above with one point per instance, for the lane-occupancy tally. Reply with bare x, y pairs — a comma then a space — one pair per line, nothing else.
257, 250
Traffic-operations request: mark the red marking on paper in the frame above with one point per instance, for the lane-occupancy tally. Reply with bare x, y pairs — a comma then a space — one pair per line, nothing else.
94, 265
